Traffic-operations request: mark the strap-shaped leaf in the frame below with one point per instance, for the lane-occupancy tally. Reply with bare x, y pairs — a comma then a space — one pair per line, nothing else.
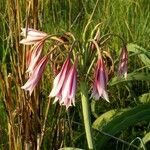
145, 139
130, 77
142, 53
119, 122
145, 98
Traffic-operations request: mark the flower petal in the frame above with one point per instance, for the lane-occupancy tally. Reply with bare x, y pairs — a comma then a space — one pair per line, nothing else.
35, 56
36, 75
31, 36
60, 78
123, 62
32, 32
100, 81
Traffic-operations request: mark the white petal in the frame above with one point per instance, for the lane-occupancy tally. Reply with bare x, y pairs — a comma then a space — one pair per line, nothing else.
60, 79
55, 85
35, 56
36, 33
32, 32
105, 96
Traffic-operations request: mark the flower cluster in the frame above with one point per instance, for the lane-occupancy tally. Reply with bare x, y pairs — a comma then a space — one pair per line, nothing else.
36, 62
64, 85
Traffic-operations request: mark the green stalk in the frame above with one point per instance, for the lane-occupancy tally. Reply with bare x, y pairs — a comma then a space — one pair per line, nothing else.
86, 114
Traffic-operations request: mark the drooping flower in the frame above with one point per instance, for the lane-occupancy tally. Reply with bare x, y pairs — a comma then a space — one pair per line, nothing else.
32, 36
69, 87
100, 81
60, 79
123, 62
64, 85
35, 55
36, 75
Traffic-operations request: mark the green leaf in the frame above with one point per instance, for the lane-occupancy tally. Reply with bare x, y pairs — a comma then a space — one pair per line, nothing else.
141, 52
116, 122
137, 49
93, 108
145, 98
145, 139
108, 116
131, 77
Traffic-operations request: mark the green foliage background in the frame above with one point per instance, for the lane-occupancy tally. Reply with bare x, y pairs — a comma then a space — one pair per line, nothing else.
127, 115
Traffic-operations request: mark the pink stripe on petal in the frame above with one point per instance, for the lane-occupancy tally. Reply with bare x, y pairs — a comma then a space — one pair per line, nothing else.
35, 56
69, 88
123, 62
100, 81
28, 42
60, 78
65, 84
73, 90
36, 75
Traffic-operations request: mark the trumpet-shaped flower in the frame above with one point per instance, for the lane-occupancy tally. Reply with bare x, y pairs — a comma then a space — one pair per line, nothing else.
35, 55
123, 63
69, 88
36, 75
32, 36
64, 86
60, 79
100, 81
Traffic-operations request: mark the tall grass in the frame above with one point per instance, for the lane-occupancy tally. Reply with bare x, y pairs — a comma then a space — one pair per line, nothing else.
35, 122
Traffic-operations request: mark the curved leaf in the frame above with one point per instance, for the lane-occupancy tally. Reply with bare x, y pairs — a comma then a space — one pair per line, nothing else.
93, 104
108, 116
137, 49
141, 52
131, 77
120, 122
145, 98
145, 139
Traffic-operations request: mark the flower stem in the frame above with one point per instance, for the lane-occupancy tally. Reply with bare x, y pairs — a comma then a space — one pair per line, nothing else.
86, 114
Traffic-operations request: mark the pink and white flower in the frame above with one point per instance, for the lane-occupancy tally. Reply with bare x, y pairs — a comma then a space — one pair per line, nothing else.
32, 36
60, 79
64, 85
35, 56
100, 81
123, 62
36, 75
69, 88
